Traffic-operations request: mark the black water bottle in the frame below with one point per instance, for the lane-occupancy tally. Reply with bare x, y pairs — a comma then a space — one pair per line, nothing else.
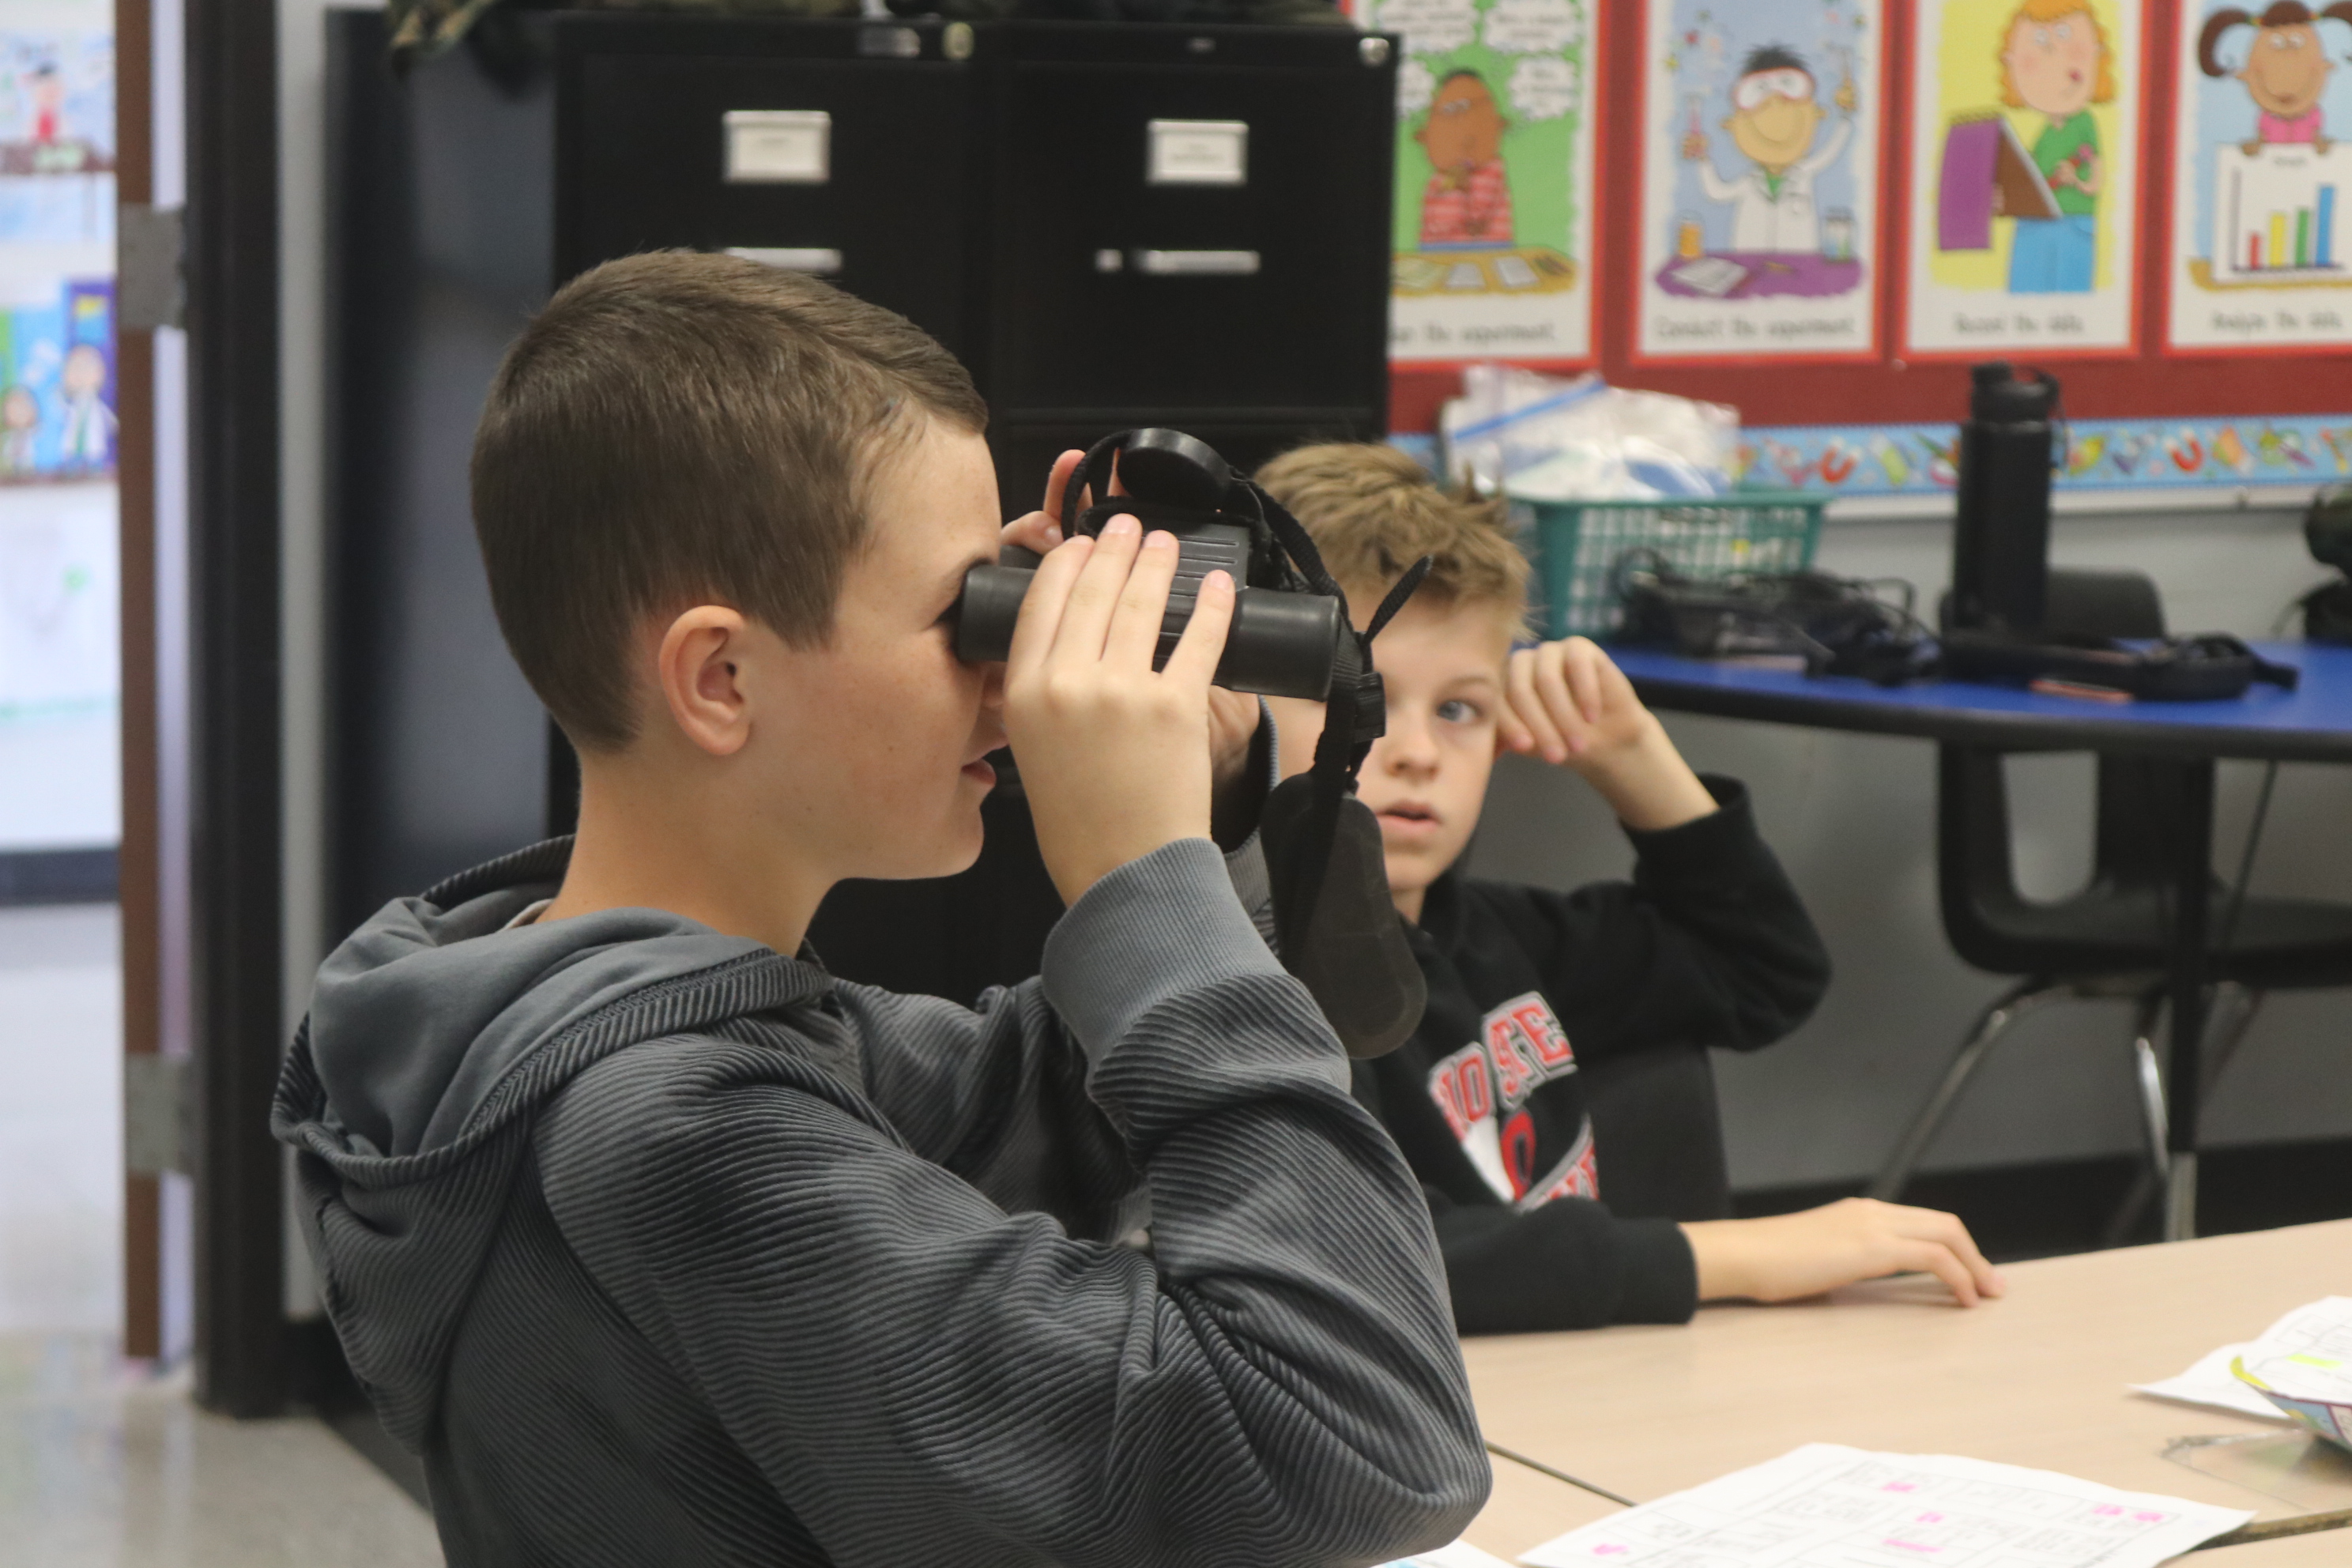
2001, 549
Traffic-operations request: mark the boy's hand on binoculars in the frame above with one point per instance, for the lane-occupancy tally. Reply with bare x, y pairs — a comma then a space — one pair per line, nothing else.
1041, 530
1567, 702
1116, 757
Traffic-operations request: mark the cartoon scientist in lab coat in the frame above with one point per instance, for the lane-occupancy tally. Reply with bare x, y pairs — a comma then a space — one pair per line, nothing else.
1773, 121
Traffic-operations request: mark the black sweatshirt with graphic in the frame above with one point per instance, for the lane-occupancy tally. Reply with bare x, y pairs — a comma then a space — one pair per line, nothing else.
1530, 992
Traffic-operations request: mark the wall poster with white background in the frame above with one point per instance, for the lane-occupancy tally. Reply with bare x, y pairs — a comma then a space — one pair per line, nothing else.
1492, 250
2025, 179
2259, 185
60, 658
1760, 179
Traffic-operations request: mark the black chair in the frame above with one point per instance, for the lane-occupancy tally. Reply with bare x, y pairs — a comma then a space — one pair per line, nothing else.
2113, 939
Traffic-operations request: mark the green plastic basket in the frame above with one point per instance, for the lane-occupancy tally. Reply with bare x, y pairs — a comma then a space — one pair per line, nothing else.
1577, 546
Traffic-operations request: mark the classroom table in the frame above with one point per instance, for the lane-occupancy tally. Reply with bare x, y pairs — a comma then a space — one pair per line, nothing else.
2038, 1378
2312, 724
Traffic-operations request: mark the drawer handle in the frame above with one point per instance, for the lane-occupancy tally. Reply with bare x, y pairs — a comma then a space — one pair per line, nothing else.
1195, 263
790, 259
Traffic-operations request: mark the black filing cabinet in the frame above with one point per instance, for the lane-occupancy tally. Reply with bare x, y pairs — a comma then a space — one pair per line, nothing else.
1111, 225
858, 167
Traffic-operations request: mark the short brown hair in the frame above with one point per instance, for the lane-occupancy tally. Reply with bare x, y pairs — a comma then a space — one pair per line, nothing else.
676, 429
1373, 511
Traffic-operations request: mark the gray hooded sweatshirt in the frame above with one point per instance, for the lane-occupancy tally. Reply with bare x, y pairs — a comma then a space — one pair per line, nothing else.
662, 1247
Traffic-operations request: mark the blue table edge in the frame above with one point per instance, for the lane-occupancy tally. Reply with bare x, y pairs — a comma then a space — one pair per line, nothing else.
2312, 723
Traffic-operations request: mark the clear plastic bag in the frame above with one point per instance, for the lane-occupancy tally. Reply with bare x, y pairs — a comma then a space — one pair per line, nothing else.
1542, 437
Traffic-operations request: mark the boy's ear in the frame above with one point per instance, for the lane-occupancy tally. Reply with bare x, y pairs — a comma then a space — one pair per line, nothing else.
700, 684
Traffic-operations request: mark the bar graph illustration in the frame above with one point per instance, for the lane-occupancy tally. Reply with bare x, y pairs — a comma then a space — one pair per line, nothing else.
2277, 214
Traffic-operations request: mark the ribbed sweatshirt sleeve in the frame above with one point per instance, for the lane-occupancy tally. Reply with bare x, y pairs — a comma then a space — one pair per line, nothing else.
1570, 1264
925, 1376
1708, 944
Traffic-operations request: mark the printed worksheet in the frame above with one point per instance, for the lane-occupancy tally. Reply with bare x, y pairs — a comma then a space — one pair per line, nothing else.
1824, 1506
1460, 1554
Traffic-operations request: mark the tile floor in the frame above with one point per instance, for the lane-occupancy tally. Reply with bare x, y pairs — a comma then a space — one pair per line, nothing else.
60, 1118
101, 1467
104, 1465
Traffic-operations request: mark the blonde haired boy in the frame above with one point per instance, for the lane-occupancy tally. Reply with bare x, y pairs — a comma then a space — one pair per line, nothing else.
1556, 1103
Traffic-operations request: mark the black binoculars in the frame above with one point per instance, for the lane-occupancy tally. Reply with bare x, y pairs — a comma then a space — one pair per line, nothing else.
1285, 639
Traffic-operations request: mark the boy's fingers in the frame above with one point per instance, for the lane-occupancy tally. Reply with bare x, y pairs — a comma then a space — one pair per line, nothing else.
1035, 531
1133, 636
1511, 735
1560, 700
1933, 1257
1582, 660
1094, 597
1195, 662
1947, 1231
1042, 607
1528, 708
1057, 482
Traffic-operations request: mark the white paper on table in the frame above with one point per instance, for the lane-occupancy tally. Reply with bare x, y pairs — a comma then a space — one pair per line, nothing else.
2211, 1383
2321, 1327
2308, 1352
1460, 1554
1826, 1506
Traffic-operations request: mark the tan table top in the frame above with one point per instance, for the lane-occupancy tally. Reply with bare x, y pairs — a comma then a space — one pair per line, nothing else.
2038, 1378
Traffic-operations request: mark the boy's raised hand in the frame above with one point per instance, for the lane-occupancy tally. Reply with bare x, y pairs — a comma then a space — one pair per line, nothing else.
1567, 702
1115, 756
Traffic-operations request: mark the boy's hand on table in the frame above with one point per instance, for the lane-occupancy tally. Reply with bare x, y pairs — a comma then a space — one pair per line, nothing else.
1116, 757
1785, 1257
1233, 715
1567, 702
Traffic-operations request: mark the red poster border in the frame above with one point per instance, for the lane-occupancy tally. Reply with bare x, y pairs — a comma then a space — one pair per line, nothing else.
2135, 307
1876, 352
1597, 112
2156, 384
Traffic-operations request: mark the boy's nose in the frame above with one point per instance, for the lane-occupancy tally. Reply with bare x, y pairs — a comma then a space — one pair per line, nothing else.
1410, 749
992, 686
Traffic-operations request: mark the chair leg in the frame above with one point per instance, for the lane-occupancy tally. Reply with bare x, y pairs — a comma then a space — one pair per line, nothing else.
2013, 1004
2155, 1122
2250, 1007
2180, 1174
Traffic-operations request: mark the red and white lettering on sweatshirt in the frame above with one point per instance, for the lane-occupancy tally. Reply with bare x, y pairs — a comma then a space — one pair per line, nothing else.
1482, 1089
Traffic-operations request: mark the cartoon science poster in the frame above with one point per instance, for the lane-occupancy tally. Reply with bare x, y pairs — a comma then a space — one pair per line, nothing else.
2024, 181
1492, 251
2262, 176
1760, 179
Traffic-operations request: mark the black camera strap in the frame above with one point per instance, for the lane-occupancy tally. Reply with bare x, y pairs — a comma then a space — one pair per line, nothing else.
1336, 927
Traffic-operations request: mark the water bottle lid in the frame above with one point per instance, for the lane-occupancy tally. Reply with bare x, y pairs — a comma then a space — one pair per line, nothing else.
2000, 396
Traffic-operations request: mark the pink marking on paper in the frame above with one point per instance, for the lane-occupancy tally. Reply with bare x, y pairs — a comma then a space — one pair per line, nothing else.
1900, 1487
2107, 1508
1608, 1549
1911, 1545
2149, 1516
1931, 1519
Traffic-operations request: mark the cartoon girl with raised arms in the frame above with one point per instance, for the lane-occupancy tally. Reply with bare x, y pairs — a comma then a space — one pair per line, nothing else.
2285, 71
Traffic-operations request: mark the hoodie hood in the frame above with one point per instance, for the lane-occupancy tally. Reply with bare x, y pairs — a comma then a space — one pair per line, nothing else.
434, 1033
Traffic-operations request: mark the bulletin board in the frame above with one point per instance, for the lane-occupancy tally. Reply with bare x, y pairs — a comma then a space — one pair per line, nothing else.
1997, 178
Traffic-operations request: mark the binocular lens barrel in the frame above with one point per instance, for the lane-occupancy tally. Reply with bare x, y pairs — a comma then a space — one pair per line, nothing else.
1281, 645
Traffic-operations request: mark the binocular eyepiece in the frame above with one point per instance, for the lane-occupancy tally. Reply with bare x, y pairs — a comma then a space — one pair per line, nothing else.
1285, 638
